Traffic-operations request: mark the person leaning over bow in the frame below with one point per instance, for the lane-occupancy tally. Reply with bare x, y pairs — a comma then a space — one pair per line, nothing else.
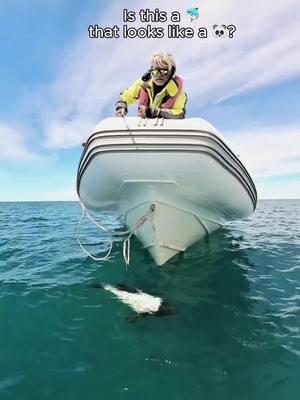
159, 92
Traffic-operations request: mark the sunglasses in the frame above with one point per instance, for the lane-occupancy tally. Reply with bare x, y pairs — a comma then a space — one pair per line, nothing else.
158, 72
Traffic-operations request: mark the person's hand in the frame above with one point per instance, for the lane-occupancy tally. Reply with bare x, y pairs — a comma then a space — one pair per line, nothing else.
121, 112
121, 108
142, 111
155, 112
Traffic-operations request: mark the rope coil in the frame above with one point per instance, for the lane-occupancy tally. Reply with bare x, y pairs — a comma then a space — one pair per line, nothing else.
138, 224
126, 243
84, 212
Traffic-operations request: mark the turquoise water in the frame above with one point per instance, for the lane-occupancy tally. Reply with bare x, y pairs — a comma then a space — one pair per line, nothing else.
236, 334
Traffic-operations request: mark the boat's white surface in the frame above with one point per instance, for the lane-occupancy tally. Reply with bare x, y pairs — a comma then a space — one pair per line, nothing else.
180, 174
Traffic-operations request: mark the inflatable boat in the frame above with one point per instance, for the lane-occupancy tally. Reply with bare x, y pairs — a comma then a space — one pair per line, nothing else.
172, 182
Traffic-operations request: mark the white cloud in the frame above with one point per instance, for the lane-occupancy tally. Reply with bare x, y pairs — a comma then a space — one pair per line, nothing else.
263, 51
268, 151
13, 146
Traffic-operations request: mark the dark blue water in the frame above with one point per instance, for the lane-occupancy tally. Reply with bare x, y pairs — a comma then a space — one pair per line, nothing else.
236, 334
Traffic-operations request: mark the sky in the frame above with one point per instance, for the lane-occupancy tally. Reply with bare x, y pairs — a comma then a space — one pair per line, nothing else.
57, 83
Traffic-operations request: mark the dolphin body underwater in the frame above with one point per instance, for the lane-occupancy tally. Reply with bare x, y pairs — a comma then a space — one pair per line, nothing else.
142, 303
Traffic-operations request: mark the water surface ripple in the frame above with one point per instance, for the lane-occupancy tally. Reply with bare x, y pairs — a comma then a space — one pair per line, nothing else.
236, 334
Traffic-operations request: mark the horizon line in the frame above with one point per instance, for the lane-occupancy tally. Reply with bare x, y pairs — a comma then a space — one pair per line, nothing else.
75, 201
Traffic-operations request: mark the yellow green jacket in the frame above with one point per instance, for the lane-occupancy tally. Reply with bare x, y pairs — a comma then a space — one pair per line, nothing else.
171, 92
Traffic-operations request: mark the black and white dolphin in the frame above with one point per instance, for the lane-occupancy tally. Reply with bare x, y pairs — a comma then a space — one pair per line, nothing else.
142, 303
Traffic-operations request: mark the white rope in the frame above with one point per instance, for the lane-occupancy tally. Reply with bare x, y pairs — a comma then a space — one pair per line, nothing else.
110, 231
138, 224
84, 212
126, 251
126, 244
127, 127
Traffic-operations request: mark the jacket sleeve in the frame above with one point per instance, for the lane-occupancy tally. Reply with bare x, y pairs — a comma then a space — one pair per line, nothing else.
178, 111
132, 94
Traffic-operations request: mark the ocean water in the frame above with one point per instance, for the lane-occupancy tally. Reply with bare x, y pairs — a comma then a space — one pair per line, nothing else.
236, 333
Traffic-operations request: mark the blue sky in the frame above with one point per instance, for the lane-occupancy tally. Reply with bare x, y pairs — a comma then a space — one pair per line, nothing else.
57, 83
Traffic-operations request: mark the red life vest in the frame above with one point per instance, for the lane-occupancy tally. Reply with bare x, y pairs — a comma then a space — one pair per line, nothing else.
144, 99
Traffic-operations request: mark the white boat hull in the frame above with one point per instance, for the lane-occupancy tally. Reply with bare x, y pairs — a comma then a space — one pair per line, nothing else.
174, 223
184, 172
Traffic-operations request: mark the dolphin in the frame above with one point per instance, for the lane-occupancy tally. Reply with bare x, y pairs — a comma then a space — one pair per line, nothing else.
143, 304
193, 12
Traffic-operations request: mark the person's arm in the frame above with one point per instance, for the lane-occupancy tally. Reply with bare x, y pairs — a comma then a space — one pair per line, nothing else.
177, 112
127, 97
132, 94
